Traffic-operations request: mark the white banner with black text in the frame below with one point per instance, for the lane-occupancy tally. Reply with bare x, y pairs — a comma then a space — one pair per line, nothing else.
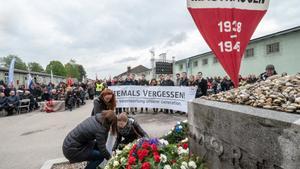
163, 97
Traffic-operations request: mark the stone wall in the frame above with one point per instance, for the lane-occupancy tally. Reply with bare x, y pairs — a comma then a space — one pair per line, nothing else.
231, 136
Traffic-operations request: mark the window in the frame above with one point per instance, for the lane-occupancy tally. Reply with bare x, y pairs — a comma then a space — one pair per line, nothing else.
273, 48
180, 66
204, 61
216, 60
196, 64
249, 52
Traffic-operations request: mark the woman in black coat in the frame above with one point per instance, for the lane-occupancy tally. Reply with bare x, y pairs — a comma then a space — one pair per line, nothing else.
128, 131
80, 144
106, 101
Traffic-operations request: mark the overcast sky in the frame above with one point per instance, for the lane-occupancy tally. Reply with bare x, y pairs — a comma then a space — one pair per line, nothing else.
108, 35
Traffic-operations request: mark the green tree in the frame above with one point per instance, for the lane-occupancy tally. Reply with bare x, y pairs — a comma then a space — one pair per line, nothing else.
72, 70
19, 62
57, 68
35, 67
82, 72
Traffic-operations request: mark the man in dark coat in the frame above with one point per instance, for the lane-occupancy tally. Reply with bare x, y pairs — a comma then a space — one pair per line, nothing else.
3, 101
168, 82
12, 102
202, 85
80, 145
144, 82
270, 71
184, 81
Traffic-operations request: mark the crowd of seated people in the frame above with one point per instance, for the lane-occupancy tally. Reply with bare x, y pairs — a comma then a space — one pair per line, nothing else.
11, 97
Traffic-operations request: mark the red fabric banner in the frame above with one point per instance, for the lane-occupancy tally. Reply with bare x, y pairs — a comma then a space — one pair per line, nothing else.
227, 28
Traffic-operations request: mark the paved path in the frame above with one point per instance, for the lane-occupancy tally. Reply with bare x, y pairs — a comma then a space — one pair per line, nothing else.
28, 140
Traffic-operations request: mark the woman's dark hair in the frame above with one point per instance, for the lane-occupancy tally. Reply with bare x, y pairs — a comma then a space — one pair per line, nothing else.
111, 105
109, 120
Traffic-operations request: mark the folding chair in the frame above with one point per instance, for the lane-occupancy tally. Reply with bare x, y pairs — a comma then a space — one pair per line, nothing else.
25, 104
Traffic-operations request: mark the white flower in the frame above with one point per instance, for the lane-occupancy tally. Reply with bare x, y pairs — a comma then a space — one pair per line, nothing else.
182, 150
180, 127
185, 121
184, 164
123, 160
183, 167
116, 163
167, 167
178, 123
192, 164
163, 158
163, 142
173, 128
118, 152
170, 132
106, 167
127, 147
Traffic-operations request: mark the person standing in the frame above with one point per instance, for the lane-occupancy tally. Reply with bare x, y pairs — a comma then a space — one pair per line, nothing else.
129, 82
87, 141
270, 71
202, 86
184, 80
144, 82
154, 83
178, 79
168, 82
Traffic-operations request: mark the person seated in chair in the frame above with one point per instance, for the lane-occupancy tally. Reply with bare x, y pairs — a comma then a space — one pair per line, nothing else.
12, 102
28, 95
3, 101
128, 131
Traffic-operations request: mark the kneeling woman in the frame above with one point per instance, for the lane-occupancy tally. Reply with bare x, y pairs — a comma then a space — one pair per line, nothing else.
128, 131
80, 144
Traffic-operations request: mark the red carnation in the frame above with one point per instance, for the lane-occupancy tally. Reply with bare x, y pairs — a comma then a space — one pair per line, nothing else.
131, 160
155, 153
146, 165
185, 146
128, 167
146, 145
142, 154
157, 158
154, 147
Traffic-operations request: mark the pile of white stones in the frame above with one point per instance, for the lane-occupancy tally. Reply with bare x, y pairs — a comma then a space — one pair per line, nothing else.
276, 93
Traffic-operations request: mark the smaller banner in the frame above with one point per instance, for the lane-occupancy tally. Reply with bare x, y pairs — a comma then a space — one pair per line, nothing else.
163, 97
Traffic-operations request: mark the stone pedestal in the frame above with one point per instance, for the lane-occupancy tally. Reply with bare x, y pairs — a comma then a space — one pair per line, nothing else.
232, 136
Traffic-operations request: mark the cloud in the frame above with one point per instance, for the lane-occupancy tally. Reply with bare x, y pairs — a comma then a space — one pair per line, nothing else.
126, 59
104, 35
179, 38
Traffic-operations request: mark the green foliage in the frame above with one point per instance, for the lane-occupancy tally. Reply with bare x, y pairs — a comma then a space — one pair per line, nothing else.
175, 136
57, 68
35, 67
75, 70
19, 62
82, 72
72, 70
